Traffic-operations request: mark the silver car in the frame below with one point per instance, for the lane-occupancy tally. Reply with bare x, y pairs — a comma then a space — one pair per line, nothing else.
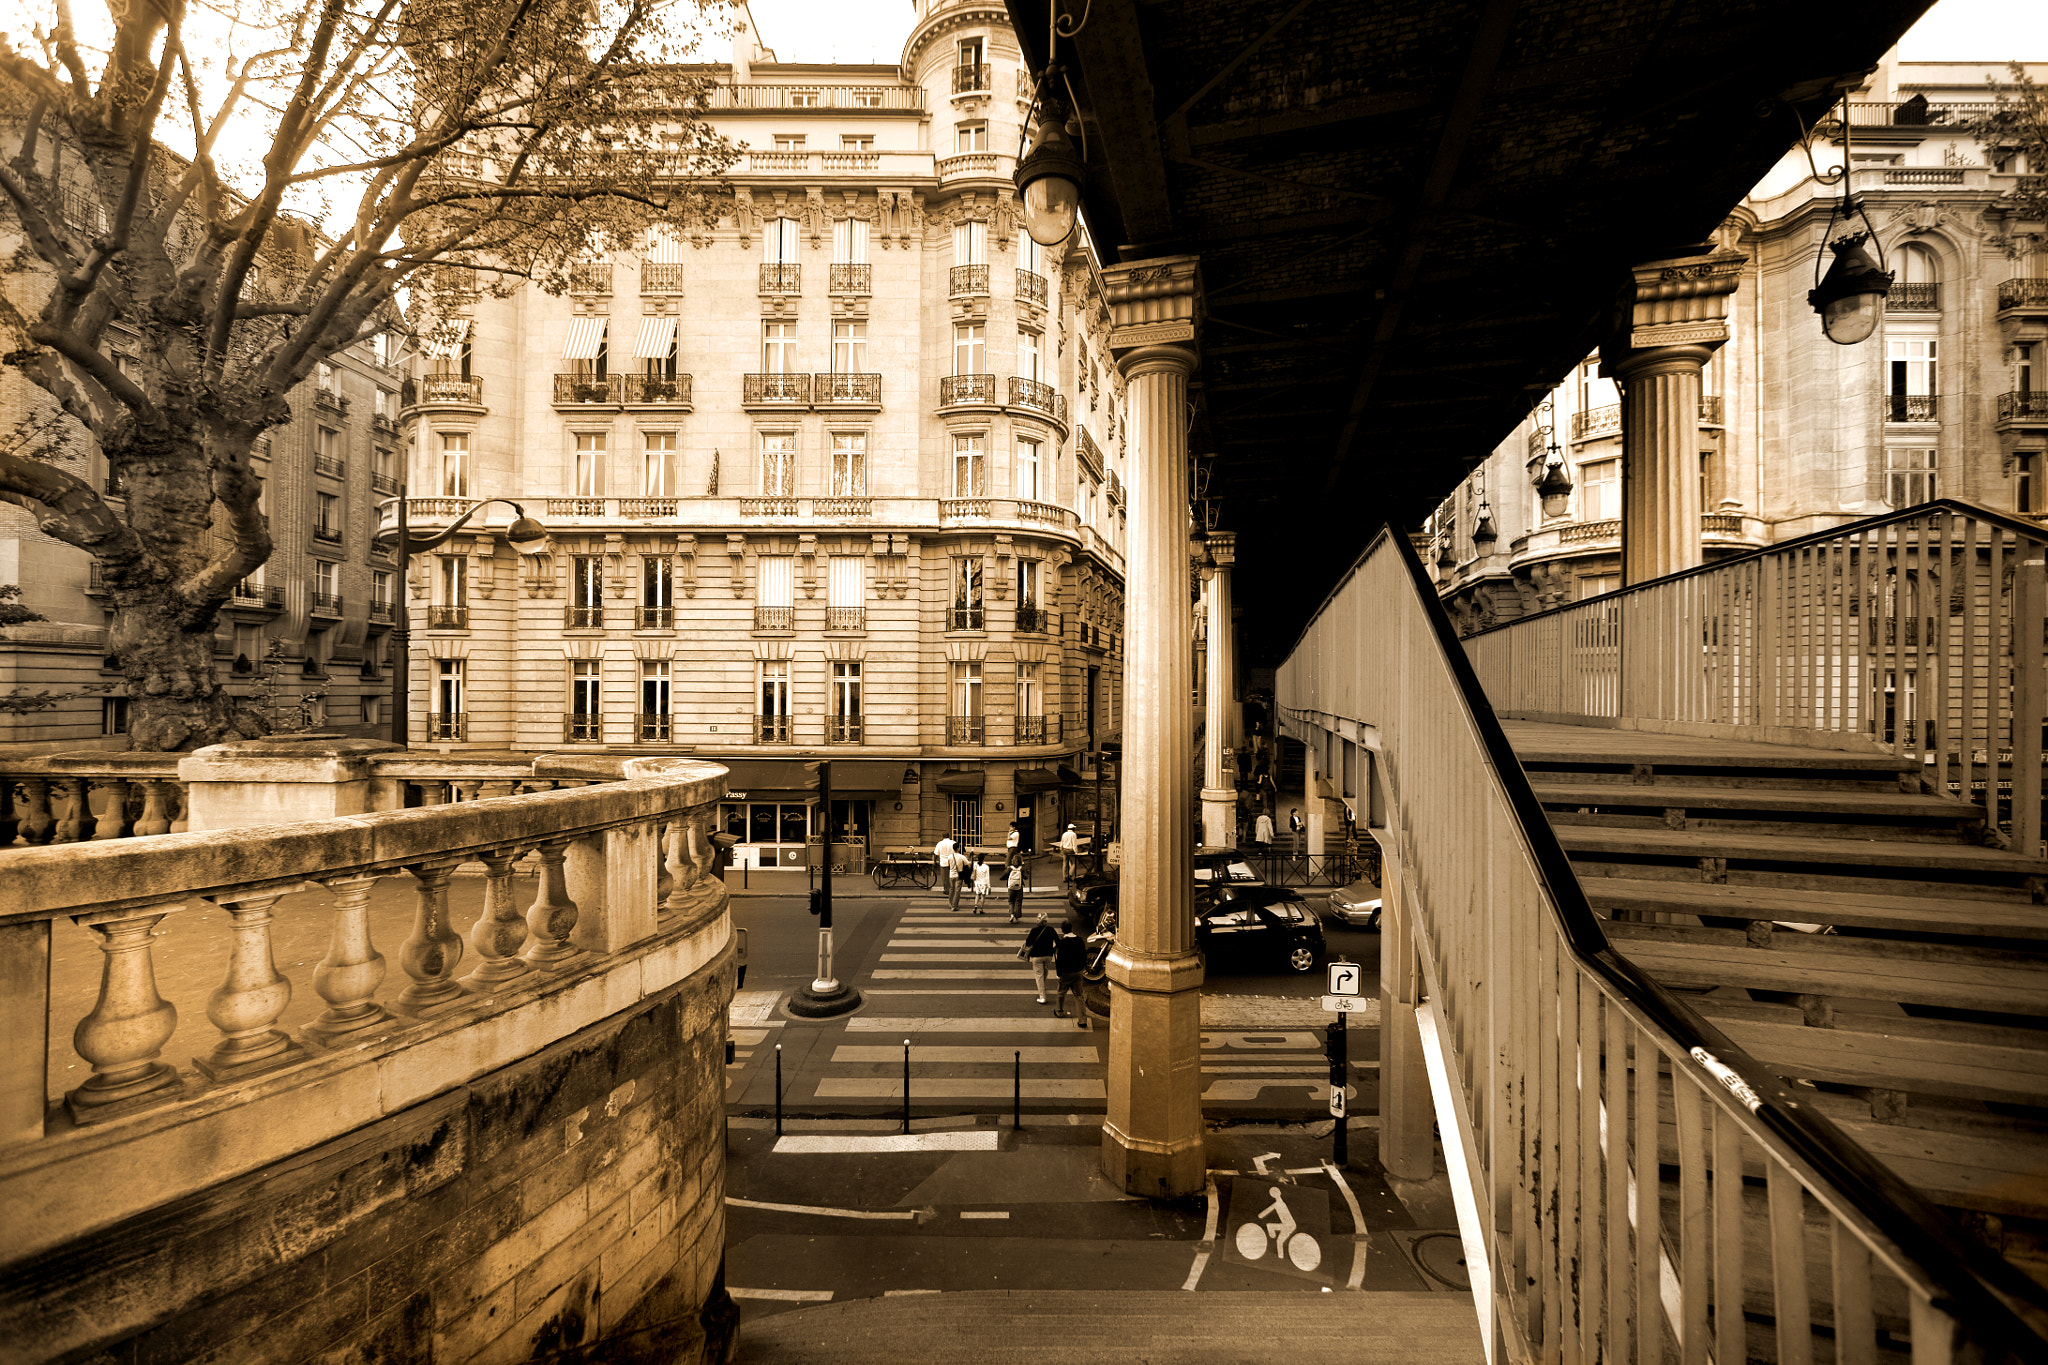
1357, 904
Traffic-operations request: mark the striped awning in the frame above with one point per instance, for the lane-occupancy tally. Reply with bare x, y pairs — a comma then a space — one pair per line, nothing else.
657, 337
444, 339
586, 339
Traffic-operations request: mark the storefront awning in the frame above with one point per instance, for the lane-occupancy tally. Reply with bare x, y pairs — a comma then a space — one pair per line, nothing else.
967, 783
759, 779
586, 338
867, 779
1035, 780
657, 337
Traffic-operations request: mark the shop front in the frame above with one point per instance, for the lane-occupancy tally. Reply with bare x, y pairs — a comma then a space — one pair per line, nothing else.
772, 808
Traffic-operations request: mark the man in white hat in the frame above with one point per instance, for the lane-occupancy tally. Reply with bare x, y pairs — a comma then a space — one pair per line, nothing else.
1070, 853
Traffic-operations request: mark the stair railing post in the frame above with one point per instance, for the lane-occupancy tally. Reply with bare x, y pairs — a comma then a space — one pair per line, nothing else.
2030, 699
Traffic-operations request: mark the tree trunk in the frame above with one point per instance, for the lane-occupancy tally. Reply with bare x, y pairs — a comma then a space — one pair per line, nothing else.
175, 702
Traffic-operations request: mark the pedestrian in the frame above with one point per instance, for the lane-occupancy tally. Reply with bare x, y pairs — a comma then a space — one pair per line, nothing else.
981, 883
1262, 832
1041, 944
1070, 958
942, 854
1296, 824
1011, 841
1016, 893
1070, 853
956, 864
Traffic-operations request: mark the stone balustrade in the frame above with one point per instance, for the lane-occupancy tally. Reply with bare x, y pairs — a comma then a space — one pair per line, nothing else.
73, 798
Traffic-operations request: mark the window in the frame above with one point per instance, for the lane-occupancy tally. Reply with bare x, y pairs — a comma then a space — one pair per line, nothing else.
585, 722
850, 241
2026, 471
1901, 698
970, 468
791, 142
966, 826
778, 347
971, 52
774, 594
330, 449
326, 577
1600, 490
968, 718
380, 587
654, 719
1088, 495
1911, 383
248, 644
970, 244
586, 592
657, 463
1030, 704
113, 715
970, 137
370, 709
657, 592
454, 464
849, 348
1027, 354
969, 343
1710, 483
778, 241
446, 721
856, 142
327, 516
1593, 585
590, 464
1030, 255
774, 713
1028, 578
2023, 367
323, 376
1909, 476
1028, 465
849, 464
845, 715
967, 593
778, 464
867, 99
846, 583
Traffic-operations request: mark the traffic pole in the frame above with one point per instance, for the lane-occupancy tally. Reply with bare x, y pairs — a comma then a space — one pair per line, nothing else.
778, 1090
1017, 1090
906, 1085
1339, 1040
826, 996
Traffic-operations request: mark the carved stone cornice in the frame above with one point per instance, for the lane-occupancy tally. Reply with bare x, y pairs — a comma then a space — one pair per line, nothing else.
1154, 303
1683, 301
1222, 548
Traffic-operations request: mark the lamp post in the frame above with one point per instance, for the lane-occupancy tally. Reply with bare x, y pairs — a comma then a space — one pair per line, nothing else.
528, 537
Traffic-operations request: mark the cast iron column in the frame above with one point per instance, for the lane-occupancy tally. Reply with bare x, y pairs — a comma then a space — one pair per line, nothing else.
1219, 794
1152, 1136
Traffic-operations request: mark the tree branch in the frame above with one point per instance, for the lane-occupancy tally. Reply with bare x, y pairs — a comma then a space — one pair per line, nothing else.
65, 507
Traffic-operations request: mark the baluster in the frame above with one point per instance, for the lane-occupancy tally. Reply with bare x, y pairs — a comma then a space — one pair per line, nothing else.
128, 1026
348, 977
181, 794
433, 794
668, 881
156, 816
246, 1006
499, 930
9, 815
432, 953
113, 820
38, 824
491, 789
552, 916
71, 825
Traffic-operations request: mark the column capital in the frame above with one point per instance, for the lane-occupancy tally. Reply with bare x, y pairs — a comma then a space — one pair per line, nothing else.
1679, 301
1222, 548
1154, 306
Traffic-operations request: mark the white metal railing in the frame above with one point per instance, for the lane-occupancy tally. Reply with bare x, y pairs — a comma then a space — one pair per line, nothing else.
1917, 631
1630, 1185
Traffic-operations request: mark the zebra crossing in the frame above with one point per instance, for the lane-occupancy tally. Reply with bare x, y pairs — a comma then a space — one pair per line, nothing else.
952, 986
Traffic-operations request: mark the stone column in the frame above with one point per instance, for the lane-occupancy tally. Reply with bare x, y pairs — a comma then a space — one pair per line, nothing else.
1219, 792
1313, 808
1152, 1137
1678, 316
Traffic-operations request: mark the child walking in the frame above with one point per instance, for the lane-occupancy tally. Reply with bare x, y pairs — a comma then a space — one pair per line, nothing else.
981, 883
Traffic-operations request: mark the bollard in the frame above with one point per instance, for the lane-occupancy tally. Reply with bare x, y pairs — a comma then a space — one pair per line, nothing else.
906, 1085
778, 1090
1017, 1091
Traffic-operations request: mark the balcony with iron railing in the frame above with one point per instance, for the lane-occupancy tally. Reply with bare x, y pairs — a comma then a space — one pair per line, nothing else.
653, 727
437, 390
1912, 113
330, 402
447, 618
327, 535
775, 390
1032, 730
965, 617
256, 596
2028, 292
657, 618
1911, 407
383, 483
846, 619
967, 390
1710, 410
1030, 393
847, 390
965, 281
572, 389
590, 277
447, 726
381, 613
649, 390
114, 486
853, 278
661, 277
1596, 422
326, 604
781, 277
973, 77
586, 617
581, 728
1913, 298
2027, 408
1031, 620
1031, 286
330, 465
382, 424
771, 729
843, 729
966, 729
778, 620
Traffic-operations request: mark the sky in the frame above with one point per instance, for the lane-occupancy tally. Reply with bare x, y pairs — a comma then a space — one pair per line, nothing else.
874, 30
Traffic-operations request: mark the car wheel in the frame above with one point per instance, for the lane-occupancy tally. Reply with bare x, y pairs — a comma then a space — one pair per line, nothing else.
1302, 958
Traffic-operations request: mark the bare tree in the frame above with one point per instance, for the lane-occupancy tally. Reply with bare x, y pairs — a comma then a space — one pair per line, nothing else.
473, 143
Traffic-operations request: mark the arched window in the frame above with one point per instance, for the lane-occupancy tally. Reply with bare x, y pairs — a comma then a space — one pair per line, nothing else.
1916, 281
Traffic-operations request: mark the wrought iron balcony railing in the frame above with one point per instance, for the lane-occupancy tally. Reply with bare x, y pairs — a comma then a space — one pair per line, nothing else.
1913, 298
653, 727
1030, 393
966, 617
1031, 730
590, 277
583, 618
2030, 406
330, 401
580, 728
966, 388
1910, 407
847, 388
329, 465
853, 278
2024, 293
661, 277
327, 604
1030, 619
451, 388
447, 618
648, 388
381, 612
775, 388
971, 76
781, 277
843, 729
447, 725
846, 618
966, 729
771, 729
968, 280
657, 618
248, 594
327, 535
115, 486
1605, 421
586, 388
1031, 286
774, 618
1710, 409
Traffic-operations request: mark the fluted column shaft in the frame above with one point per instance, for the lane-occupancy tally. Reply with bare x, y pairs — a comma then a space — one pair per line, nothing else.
1219, 794
1660, 443
1152, 1136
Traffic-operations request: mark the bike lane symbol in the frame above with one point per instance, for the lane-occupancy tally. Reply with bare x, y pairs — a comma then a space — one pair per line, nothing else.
1281, 1227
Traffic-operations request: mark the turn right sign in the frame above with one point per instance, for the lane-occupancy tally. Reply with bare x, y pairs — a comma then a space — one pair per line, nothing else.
1344, 978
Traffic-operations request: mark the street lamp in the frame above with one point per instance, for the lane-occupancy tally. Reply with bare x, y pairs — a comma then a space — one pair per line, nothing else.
1049, 178
1850, 300
527, 536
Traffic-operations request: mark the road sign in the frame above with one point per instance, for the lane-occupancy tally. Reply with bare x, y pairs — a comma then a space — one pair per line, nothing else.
1348, 1004
1336, 1101
1344, 978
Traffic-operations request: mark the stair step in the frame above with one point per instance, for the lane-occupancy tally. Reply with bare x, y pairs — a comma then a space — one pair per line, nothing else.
1595, 746
1863, 805
2002, 982
2017, 919
1789, 848
1921, 1056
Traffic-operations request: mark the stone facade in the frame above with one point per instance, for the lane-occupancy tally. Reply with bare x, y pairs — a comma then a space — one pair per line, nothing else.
1795, 433
839, 475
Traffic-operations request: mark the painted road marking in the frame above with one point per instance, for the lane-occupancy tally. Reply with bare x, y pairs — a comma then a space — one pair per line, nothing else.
970, 1140
1297, 1042
984, 1213
932, 973
1077, 1051
786, 1295
951, 943
1269, 1069
1208, 1242
996, 956
819, 1211
907, 1293
1028, 1023
1318, 1091
955, 1087
1011, 991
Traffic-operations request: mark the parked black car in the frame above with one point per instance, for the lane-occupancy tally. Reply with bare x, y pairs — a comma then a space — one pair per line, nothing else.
1253, 923
1088, 898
